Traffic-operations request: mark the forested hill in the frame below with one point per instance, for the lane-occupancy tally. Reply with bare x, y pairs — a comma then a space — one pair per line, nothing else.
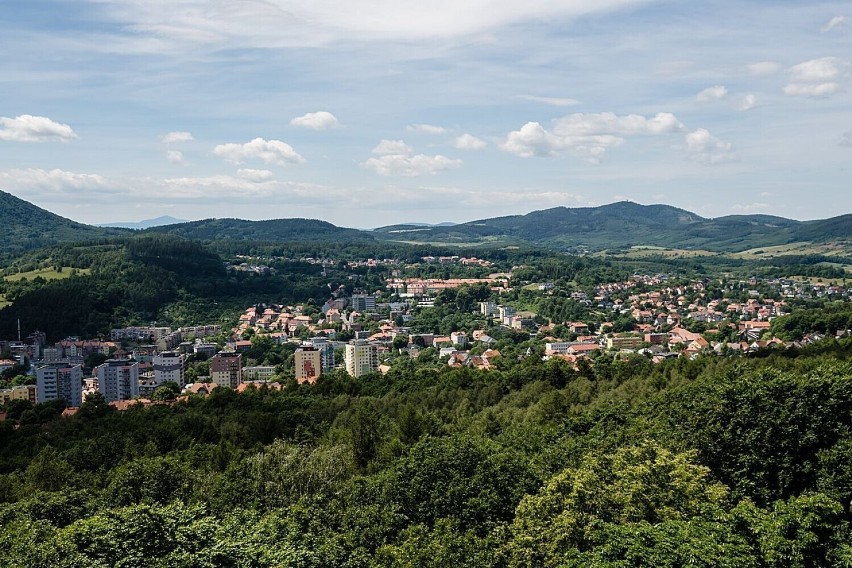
274, 230
626, 224
26, 226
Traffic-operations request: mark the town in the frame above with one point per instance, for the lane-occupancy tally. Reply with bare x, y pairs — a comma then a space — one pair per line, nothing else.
657, 317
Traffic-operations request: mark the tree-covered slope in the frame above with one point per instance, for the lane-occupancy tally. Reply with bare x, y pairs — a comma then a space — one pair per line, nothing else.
26, 226
626, 224
274, 230
708, 462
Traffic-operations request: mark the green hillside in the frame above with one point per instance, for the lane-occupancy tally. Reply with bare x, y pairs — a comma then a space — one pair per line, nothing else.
26, 227
274, 230
626, 224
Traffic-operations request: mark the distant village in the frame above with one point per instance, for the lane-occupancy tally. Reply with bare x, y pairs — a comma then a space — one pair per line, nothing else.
135, 361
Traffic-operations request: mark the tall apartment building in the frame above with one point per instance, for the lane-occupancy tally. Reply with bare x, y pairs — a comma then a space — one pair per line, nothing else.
118, 379
226, 369
308, 364
326, 350
60, 382
169, 366
363, 302
361, 357
488, 308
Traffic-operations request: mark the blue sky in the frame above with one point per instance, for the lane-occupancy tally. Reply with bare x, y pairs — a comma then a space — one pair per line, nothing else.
382, 111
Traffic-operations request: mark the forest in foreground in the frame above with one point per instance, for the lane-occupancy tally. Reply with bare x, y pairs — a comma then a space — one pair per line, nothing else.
708, 462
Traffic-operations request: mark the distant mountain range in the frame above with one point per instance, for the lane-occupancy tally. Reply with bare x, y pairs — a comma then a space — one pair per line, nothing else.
625, 224
145, 224
274, 230
613, 226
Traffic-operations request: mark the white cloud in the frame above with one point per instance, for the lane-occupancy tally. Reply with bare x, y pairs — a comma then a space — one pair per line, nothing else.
818, 70
812, 90
269, 151
426, 129
553, 101
712, 94
392, 147
846, 139
763, 67
837, 22
745, 102
396, 158
288, 23
255, 175
28, 128
817, 77
586, 135
211, 186
177, 137
321, 120
707, 149
175, 157
469, 142
54, 181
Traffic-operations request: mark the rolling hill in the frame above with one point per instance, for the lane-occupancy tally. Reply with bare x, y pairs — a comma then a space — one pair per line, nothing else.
26, 227
274, 230
625, 224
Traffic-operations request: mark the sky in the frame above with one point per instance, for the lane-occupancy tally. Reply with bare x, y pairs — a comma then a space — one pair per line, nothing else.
378, 112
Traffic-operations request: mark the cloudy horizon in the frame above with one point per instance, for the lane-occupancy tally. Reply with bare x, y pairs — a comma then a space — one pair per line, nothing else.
387, 112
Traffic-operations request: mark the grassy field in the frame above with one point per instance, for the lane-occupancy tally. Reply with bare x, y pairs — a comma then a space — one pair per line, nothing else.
3, 302
841, 248
652, 251
46, 273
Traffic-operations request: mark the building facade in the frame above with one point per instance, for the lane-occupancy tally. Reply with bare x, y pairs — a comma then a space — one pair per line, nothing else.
60, 382
118, 379
361, 357
169, 366
226, 369
307, 361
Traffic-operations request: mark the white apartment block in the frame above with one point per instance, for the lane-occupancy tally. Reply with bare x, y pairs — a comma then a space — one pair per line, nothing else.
60, 382
118, 379
169, 366
361, 357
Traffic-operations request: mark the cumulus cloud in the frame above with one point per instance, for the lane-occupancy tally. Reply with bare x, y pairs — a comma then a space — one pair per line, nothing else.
712, 94
763, 67
177, 137
837, 22
817, 77
269, 151
745, 102
469, 142
175, 157
55, 181
426, 129
28, 128
255, 175
396, 158
321, 120
707, 149
553, 101
392, 147
586, 135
